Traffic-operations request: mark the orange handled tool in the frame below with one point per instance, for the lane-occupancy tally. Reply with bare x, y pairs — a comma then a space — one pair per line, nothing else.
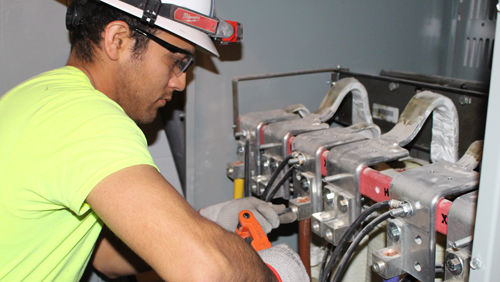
250, 230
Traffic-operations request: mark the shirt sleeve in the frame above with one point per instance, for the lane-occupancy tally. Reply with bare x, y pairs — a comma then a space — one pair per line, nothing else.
69, 146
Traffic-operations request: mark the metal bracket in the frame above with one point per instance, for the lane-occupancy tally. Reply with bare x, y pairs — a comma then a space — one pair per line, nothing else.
461, 219
236, 80
151, 11
423, 188
282, 132
313, 144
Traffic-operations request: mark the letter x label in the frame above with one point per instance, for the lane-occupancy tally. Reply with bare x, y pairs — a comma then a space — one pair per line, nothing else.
445, 219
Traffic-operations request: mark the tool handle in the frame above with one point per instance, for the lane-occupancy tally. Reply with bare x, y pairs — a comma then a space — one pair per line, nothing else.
250, 230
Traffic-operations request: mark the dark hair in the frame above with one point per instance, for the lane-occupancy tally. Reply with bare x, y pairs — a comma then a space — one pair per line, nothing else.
87, 35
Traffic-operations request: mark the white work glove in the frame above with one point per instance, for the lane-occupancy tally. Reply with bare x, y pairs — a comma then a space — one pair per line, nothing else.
285, 262
226, 214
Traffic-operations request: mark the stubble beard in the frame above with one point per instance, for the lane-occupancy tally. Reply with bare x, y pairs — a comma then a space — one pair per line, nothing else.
132, 90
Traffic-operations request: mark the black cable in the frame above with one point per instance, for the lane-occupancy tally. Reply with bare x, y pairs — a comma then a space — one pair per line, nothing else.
280, 183
348, 254
345, 238
246, 181
274, 176
324, 260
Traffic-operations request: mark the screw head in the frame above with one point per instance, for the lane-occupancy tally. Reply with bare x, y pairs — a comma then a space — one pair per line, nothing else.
305, 183
378, 266
273, 164
329, 234
265, 165
393, 232
393, 86
342, 203
240, 150
329, 196
315, 226
454, 264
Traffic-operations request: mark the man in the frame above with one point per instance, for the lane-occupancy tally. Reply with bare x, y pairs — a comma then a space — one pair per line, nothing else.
74, 160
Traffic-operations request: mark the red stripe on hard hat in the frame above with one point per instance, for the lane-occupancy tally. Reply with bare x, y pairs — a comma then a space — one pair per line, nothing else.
196, 20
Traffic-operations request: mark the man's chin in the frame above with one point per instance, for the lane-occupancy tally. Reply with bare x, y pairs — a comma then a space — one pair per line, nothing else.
146, 119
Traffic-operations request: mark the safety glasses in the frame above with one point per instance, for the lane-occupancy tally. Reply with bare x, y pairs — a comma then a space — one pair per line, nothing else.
181, 64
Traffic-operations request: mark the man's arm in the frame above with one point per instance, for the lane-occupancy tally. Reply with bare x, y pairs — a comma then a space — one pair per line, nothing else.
148, 214
114, 259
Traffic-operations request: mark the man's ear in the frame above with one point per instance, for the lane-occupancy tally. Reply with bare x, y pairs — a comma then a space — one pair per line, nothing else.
117, 39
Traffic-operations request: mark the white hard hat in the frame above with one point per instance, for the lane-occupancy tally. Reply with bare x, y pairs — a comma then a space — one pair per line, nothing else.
194, 35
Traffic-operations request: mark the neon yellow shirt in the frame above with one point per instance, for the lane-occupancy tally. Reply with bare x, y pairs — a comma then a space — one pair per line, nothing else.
59, 138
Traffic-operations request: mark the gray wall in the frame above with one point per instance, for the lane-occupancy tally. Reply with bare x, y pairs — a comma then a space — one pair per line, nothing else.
282, 36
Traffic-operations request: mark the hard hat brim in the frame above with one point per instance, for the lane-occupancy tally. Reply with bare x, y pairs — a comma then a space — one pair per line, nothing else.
199, 38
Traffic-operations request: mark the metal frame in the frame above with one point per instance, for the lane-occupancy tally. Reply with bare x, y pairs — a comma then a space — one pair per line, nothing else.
485, 254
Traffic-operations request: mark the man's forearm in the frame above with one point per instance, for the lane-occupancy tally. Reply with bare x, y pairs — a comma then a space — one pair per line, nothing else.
114, 259
245, 263
146, 212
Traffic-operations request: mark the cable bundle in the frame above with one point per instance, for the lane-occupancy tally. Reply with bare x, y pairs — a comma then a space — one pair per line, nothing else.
326, 271
270, 191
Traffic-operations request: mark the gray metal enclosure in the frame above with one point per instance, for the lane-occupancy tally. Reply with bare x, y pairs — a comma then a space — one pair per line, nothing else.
447, 38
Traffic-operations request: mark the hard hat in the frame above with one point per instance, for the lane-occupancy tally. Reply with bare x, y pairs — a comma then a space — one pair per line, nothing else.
192, 20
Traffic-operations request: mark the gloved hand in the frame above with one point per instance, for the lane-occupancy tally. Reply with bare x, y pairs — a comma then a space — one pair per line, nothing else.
226, 214
285, 262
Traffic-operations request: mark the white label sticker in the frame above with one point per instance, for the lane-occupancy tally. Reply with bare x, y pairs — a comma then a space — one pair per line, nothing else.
387, 113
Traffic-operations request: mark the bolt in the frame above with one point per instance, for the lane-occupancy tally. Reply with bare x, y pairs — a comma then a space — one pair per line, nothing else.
315, 226
265, 165
273, 164
329, 196
393, 232
465, 100
343, 204
404, 210
475, 263
240, 134
240, 150
298, 176
454, 264
378, 266
329, 235
393, 86
305, 183
254, 187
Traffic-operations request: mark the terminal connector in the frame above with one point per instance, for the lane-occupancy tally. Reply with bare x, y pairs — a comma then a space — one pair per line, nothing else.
240, 134
403, 209
297, 160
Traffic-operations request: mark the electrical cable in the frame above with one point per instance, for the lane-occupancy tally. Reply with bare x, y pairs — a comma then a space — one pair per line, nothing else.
246, 183
347, 235
324, 260
280, 183
275, 174
350, 251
